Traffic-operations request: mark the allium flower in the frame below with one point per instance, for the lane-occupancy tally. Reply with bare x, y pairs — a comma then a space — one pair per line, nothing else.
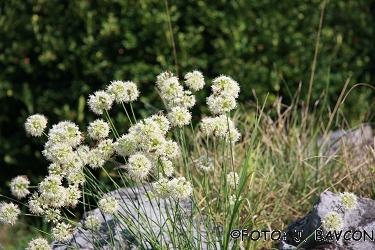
72, 195
224, 85
65, 132
9, 213
100, 101
180, 188
125, 145
106, 148
83, 152
179, 116
162, 77
332, 222
98, 129
39, 244
220, 126
186, 101
233, 199
36, 124
19, 186
138, 166
233, 179
219, 104
123, 91
162, 121
62, 232
171, 89
194, 80
52, 215
60, 153
171, 149
52, 193
76, 178
166, 167
92, 222
109, 205
205, 163
161, 188
55, 169
36, 204
348, 200
96, 159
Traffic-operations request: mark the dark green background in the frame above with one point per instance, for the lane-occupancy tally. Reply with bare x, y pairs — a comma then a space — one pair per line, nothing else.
53, 54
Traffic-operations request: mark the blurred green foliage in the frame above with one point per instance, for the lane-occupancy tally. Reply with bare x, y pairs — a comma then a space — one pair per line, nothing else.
53, 54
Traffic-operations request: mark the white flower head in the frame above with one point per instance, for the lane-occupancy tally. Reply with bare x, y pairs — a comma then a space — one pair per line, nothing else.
39, 244
98, 129
19, 186
219, 104
9, 213
233, 179
233, 199
100, 101
138, 166
224, 85
162, 121
36, 204
36, 124
72, 195
194, 80
62, 232
166, 167
52, 192
65, 132
96, 159
332, 222
123, 91
60, 153
106, 148
53, 215
125, 145
205, 163
109, 205
187, 101
348, 200
162, 77
180, 188
92, 222
179, 117
171, 89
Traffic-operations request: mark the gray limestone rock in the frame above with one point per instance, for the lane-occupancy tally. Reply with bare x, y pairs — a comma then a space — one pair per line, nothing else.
358, 231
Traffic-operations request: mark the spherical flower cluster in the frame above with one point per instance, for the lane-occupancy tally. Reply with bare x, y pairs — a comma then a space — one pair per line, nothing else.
138, 166
36, 124
160, 189
109, 205
36, 204
332, 222
106, 148
96, 159
98, 129
179, 116
123, 91
233, 179
205, 163
162, 121
220, 126
65, 132
348, 200
62, 232
39, 244
100, 101
233, 199
125, 145
19, 186
171, 89
52, 215
52, 192
224, 93
194, 80
9, 213
72, 195
60, 153
162, 77
92, 222
180, 188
